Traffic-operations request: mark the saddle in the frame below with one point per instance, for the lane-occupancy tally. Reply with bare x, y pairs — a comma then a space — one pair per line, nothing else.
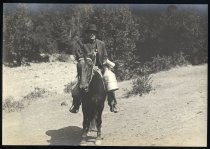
98, 70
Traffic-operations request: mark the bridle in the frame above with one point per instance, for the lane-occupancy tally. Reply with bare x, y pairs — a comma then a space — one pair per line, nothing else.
92, 72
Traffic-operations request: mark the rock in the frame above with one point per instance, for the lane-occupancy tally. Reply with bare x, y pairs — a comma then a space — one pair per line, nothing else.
199, 112
64, 103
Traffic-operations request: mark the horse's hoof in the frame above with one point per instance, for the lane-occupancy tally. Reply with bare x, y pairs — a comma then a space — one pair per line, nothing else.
83, 142
98, 142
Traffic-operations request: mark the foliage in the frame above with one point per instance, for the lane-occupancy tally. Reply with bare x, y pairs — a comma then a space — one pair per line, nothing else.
63, 58
141, 85
131, 38
118, 28
37, 93
68, 87
9, 105
162, 63
18, 35
179, 59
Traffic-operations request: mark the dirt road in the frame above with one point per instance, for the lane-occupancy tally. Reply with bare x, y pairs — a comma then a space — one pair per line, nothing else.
174, 114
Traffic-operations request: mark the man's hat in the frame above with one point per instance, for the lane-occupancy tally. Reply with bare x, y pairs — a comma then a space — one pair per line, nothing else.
92, 27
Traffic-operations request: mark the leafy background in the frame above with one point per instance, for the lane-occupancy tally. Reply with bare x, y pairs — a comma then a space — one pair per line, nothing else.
138, 40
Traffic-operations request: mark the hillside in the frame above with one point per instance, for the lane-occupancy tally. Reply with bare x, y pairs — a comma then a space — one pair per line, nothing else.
174, 114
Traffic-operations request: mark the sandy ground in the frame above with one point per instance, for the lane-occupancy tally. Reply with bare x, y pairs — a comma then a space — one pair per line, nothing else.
20, 81
174, 114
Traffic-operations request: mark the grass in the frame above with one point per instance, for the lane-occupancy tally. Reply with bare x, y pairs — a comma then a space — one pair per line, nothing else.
141, 85
126, 71
37, 93
11, 105
163, 63
68, 87
60, 58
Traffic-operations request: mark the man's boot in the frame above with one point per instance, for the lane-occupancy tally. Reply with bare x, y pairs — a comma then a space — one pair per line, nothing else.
112, 102
76, 100
75, 105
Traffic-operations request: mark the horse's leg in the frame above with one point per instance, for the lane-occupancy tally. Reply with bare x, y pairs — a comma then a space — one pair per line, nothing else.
85, 128
98, 125
84, 134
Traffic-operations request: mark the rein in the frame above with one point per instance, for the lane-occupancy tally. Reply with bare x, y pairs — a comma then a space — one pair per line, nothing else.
92, 72
94, 64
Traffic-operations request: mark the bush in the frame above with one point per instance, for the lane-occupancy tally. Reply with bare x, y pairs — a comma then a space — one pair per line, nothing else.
60, 58
40, 58
123, 73
38, 92
63, 58
68, 87
127, 70
179, 59
141, 85
9, 105
162, 63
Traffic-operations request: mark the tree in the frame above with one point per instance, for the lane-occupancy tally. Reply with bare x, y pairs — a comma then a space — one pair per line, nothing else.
118, 29
64, 21
18, 34
181, 30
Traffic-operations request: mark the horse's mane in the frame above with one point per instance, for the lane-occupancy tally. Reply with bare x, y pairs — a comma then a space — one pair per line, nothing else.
97, 79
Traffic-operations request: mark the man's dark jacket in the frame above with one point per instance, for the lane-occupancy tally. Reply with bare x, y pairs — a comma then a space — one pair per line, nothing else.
88, 48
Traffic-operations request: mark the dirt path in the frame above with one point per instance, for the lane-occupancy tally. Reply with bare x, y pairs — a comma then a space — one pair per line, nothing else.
174, 114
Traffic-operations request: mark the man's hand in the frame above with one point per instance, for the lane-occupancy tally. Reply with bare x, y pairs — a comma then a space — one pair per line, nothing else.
95, 68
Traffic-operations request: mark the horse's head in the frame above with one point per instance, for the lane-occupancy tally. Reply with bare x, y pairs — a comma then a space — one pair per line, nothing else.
85, 72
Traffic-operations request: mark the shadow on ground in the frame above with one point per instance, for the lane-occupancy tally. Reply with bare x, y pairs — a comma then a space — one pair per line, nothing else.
65, 136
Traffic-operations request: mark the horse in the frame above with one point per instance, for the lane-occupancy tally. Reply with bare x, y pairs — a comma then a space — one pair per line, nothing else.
93, 94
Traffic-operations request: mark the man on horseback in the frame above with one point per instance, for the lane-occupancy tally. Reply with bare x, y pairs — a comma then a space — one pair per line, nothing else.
95, 49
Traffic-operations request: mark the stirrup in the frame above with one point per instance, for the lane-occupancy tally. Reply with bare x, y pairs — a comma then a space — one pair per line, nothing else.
73, 109
114, 109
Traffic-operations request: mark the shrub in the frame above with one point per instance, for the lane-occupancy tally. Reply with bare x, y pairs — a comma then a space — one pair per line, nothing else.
141, 85
145, 68
40, 58
38, 92
59, 58
127, 70
179, 59
123, 73
68, 87
162, 63
63, 58
9, 105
